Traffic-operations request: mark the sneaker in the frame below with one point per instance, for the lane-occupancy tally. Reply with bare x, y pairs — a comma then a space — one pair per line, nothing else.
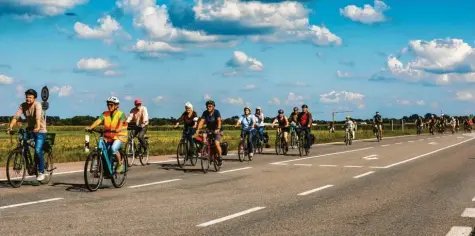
220, 161
251, 154
120, 168
40, 177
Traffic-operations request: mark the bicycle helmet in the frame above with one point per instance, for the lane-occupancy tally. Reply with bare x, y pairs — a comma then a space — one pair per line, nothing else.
31, 92
304, 106
348, 117
210, 102
113, 99
189, 105
247, 107
258, 108
281, 111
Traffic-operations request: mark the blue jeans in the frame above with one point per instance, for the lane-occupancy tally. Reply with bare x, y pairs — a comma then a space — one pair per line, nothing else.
188, 133
114, 146
250, 135
260, 131
39, 142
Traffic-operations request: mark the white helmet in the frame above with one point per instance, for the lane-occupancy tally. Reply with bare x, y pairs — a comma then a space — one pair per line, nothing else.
113, 99
188, 104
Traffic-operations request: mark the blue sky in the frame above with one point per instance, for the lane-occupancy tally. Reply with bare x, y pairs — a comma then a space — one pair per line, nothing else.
397, 57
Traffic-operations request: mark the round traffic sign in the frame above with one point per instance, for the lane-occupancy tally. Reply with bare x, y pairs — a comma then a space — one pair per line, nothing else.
44, 94
45, 106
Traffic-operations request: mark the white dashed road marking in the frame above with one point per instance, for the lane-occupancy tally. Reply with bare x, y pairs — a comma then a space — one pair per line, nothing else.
353, 166
226, 171
154, 183
469, 212
385, 145
302, 164
362, 175
324, 155
30, 203
432, 143
398, 143
370, 157
328, 165
230, 217
459, 231
315, 190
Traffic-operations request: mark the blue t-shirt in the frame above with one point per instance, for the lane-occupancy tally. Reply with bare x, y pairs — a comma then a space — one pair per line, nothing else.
246, 121
211, 120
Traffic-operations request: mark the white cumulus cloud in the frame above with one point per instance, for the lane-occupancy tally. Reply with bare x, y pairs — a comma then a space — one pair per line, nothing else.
108, 27
234, 101
30, 9
464, 96
5, 79
341, 74
242, 61
63, 91
113, 73
420, 102
250, 87
343, 96
92, 64
275, 101
294, 100
158, 99
366, 14
403, 102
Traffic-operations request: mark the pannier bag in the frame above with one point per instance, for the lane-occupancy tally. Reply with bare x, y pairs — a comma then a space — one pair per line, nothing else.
224, 148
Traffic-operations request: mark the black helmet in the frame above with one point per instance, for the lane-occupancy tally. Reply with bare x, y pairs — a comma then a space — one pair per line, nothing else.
296, 108
304, 106
31, 92
210, 102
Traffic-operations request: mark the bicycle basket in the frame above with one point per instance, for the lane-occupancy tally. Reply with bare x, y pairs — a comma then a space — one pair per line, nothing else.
50, 137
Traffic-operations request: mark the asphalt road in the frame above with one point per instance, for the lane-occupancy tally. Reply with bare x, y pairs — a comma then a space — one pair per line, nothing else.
416, 185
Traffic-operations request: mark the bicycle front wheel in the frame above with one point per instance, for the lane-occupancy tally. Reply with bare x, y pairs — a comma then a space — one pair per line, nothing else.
301, 145
278, 147
16, 168
130, 151
241, 154
93, 171
204, 159
217, 167
118, 179
181, 153
145, 155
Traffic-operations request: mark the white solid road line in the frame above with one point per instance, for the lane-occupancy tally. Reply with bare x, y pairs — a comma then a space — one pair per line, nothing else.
353, 166
362, 175
230, 217
398, 143
473, 199
154, 183
323, 155
315, 190
302, 164
469, 212
328, 165
226, 171
432, 143
385, 145
426, 154
370, 157
410, 141
460, 231
30, 203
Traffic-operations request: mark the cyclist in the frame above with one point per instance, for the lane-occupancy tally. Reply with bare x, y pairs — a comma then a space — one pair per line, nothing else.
189, 119
213, 120
432, 122
139, 117
355, 129
247, 122
116, 129
293, 119
350, 125
453, 123
378, 121
283, 123
33, 112
304, 119
259, 116
419, 124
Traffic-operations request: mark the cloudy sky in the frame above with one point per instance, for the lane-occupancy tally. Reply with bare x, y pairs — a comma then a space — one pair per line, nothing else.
359, 55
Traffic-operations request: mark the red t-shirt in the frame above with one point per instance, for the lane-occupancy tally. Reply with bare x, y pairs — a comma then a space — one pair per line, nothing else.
304, 119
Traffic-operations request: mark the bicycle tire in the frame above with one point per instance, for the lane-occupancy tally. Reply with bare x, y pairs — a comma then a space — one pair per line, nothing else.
93, 156
130, 151
285, 146
278, 148
204, 159
194, 158
13, 160
145, 155
241, 153
49, 167
261, 147
181, 150
215, 163
301, 147
119, 182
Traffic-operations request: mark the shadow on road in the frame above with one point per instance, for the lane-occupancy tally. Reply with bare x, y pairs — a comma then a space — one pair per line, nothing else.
74, 187
5, 184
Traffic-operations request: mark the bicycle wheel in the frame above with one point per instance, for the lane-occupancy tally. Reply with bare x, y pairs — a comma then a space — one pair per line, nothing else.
293, 140
215, 162
261, 146
194, 157
48, 167
204, 159
144, 154
278, 148
351, 139
16, 168
241, 151
130, 151
285, 146
181, 153
93, 168
118, 179
300, 145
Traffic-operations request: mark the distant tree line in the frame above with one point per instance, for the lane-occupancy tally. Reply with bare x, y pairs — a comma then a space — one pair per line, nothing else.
87, 120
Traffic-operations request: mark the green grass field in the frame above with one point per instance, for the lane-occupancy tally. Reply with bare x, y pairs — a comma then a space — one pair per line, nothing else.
69, 143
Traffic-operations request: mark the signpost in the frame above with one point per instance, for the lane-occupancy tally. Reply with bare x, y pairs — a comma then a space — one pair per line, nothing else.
44, 97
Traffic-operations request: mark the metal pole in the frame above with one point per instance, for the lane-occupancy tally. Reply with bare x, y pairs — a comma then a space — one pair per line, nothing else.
402, 122
392, 125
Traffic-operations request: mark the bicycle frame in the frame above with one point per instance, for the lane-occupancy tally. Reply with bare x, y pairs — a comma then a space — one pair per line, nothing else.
107, 159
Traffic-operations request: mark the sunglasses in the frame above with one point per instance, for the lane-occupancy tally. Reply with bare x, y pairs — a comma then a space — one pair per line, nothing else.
110, 104
210, 105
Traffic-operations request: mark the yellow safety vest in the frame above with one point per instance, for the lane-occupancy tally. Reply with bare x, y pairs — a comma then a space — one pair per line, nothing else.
113, 124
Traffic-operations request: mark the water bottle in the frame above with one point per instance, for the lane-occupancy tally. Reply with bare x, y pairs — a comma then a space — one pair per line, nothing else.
86, 144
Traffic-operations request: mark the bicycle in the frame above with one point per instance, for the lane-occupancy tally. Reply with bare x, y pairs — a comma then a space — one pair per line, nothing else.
377, 132
302, 143
183, 150
20, 160
132, 151
258, 143
243, 147
209, 152
348, 136
293, 137
419, 129
102, 162
281, 145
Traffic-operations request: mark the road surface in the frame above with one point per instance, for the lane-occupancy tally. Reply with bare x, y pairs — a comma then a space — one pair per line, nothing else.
414, 185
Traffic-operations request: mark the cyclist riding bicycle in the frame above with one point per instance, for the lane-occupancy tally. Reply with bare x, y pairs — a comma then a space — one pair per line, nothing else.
139, 118
378, 121
247, 123
304, 119
283, 123
213, 121
293, 119
33, 112
349, 124
189, 119
259, 116
115, 128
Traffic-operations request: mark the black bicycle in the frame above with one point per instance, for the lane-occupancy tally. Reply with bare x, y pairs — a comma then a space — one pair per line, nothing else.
187, 150
243, 147
20, 159
281, 145
133, 149
258, 143
302, 143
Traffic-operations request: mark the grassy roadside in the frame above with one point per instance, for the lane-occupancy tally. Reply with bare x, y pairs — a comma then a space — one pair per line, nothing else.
69, 145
